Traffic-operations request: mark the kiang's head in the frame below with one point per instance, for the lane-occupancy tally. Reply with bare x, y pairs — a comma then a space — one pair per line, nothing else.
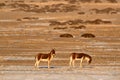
53, 51
89, 59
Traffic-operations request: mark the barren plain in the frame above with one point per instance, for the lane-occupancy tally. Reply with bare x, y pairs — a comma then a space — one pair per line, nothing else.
30, 27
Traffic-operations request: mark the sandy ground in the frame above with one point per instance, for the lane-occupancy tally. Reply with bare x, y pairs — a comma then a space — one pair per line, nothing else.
60, 72
21, 39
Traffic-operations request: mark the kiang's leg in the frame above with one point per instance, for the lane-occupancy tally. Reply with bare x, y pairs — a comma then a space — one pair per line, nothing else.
73, 63
35, 64
81, 60
70, 63
88, 59
38, 62
48, 63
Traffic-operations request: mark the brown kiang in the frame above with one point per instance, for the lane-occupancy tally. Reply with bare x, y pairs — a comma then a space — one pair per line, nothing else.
44, 57
79, 56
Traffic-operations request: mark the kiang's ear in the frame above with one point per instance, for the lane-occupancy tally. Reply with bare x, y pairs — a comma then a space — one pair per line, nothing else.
52, 48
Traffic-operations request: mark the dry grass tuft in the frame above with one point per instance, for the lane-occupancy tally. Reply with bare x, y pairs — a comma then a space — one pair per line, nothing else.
88, 35
66, 35
58, 28
78, 27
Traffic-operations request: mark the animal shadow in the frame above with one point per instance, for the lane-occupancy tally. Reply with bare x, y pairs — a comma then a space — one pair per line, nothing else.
46, 67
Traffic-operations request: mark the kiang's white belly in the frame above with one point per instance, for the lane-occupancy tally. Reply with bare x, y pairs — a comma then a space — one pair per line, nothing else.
78, 59
43, 59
